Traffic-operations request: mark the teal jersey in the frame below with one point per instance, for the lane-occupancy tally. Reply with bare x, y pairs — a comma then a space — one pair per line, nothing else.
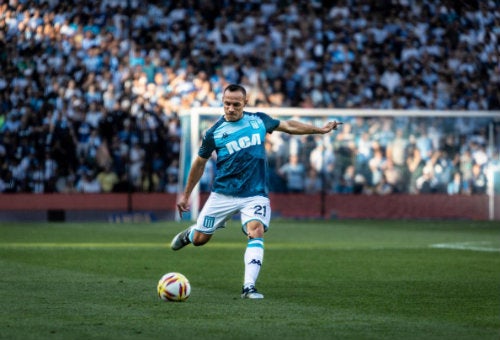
241, 155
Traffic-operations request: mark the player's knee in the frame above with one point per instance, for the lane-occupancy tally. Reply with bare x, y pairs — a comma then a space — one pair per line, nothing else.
255, 230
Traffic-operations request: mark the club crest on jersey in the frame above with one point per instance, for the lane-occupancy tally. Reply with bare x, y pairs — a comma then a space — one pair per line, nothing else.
243, 143
254, 124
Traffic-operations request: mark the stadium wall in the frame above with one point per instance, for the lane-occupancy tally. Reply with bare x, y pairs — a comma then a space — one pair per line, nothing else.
146, 207
383, 207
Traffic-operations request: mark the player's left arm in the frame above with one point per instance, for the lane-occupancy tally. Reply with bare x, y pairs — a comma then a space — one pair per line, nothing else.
294, 127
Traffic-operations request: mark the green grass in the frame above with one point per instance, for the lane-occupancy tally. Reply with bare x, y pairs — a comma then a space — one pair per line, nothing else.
321, 280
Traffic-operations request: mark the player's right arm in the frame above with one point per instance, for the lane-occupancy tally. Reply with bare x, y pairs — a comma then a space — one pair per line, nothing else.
194, 176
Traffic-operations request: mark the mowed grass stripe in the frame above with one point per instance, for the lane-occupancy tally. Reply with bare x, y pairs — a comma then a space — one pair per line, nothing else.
345, 280
467, 246
166, 246
81, 304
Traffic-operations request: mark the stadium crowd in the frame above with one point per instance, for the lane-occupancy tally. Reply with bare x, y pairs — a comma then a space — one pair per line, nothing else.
90, 91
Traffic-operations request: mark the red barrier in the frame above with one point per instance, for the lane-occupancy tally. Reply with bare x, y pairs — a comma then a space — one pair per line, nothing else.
154, 201
16, 202
399, 206
99, 202
384, 207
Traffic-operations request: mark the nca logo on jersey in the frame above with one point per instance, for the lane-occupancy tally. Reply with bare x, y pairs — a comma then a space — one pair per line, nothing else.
243, 142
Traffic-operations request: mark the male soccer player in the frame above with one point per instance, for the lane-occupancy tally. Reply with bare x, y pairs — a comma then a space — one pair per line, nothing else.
240, 185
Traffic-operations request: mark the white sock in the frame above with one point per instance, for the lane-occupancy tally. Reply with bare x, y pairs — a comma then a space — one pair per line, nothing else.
254, 256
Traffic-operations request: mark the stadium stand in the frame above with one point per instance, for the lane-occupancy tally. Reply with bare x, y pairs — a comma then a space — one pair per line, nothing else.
96, 86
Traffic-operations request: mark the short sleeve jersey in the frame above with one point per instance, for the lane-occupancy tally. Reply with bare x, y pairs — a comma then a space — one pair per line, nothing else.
241, 155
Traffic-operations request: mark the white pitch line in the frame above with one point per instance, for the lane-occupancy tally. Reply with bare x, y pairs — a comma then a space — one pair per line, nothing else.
473, 246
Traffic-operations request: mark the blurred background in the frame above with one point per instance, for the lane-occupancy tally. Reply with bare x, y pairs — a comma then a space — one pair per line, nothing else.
91, 94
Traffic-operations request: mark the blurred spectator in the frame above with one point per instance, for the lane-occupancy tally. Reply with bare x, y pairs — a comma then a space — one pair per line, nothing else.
107, 179
424, 144
347, 182
322, 159
88, 183
66, 183
397, 148
150, 181
36, 179
383, 187
8, 183
426, 183
456, 186
376, 165
392, 176
479, 180
294, 173
415, 167
137, 158
465, 167
313, 183
50, 172
3, 185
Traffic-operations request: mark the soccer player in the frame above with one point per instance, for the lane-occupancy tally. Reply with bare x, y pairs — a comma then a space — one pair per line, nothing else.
240, 185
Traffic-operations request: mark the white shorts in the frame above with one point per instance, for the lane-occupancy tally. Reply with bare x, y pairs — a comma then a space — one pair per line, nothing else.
220, 208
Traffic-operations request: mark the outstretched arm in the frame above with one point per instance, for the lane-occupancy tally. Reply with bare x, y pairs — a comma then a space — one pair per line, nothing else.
294, 127
194, 176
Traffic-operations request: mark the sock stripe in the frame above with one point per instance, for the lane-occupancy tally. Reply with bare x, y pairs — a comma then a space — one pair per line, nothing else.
255, 243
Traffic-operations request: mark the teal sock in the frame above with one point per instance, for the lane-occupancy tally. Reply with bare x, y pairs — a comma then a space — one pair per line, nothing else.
191, 234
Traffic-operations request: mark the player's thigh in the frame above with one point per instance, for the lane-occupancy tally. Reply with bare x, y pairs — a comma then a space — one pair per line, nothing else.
257, 208
216, 211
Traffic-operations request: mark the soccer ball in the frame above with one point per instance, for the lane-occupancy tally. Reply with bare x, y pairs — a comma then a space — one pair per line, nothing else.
174, 287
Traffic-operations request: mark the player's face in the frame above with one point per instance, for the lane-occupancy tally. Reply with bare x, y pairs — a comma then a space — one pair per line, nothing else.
234, 102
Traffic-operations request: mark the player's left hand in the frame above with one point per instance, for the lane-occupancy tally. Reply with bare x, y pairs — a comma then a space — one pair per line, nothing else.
331, 126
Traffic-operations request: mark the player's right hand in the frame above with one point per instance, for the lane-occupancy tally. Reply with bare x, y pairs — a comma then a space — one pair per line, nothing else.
183, 206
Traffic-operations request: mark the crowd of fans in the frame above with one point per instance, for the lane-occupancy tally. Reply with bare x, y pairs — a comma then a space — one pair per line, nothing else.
90, 91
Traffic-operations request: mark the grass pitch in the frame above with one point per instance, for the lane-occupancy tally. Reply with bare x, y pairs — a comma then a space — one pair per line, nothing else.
321, 280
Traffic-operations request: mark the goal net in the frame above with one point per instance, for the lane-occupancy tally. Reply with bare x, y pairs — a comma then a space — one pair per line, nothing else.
456, 139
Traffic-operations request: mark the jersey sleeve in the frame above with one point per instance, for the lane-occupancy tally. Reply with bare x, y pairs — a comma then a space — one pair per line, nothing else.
207, 145
270, 123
